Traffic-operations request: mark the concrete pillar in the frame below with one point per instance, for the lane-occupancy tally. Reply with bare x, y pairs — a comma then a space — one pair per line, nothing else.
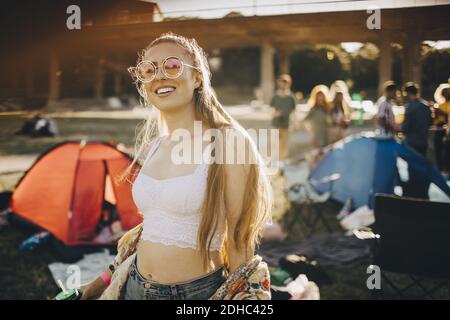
267, 71
411, 64
15, 80
54, 87
385, 62
285, 61
117, 84
99, 79
29, 81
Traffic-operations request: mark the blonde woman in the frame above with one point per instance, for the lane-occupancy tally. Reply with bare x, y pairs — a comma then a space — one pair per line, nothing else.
340, 110
201, 222
318, 118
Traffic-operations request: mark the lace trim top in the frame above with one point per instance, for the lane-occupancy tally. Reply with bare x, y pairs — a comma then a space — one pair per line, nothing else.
171, 207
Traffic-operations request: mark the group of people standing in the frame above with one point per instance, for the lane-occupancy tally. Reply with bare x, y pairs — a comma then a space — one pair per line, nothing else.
327, 119
329, 116
420, 116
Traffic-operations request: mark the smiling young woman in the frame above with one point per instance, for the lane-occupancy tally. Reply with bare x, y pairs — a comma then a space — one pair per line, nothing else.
201, 222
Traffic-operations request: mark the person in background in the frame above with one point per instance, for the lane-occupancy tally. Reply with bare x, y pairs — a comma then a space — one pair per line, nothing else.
447, 144
415, 127
318, 117
442, 97
340, 115
299, 96
446, 165
363, 95
284, 102
385, 117
417, 120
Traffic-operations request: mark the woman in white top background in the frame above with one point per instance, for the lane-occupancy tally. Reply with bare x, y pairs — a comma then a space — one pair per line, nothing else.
200, 221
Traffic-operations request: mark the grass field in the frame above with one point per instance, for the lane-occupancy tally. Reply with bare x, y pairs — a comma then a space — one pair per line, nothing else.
106, 129
25, 275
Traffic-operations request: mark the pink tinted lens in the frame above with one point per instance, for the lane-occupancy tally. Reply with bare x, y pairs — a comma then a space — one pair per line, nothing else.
172, 67
146, 71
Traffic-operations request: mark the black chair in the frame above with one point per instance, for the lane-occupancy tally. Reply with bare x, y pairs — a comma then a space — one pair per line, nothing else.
308, 207
412, 237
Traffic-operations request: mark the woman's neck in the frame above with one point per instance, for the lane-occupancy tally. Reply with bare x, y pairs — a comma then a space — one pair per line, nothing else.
182, 118
284, 92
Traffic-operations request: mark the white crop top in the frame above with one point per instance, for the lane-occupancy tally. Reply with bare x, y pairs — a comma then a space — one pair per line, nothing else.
171, 207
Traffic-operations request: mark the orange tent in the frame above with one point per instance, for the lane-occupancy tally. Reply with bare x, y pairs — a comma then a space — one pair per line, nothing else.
64, 190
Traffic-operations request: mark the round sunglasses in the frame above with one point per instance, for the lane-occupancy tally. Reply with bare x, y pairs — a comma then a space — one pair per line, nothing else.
172, 68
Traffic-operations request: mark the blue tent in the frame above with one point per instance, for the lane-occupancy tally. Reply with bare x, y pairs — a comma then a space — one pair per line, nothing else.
366, 165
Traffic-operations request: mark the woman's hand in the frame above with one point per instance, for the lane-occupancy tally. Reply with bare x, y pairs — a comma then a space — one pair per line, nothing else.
92, 290
84, 291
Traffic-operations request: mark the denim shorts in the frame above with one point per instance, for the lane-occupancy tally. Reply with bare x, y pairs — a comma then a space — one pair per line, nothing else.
202, 288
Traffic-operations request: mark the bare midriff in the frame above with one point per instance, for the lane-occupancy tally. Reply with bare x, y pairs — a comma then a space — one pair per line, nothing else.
167, 264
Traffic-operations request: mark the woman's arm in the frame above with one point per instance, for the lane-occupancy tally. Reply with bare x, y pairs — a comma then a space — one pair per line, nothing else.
93, 289
236, 176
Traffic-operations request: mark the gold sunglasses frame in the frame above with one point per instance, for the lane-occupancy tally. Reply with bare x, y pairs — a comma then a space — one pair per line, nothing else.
134, 73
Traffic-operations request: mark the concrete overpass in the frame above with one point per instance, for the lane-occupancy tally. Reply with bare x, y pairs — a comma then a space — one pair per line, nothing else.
284, 33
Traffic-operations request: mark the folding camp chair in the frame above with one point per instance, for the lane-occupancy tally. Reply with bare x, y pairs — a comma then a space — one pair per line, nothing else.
411, 237
307, 206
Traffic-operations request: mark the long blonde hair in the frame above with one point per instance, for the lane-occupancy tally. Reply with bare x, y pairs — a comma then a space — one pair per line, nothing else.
320, 88
257, 202
339, 86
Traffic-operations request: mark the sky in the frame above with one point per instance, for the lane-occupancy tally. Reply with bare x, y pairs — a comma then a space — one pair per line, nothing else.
209, 9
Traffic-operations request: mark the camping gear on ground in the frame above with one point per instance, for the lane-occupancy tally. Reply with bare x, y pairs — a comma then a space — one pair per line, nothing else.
111, 233
367, 165
279, 294
104, 236
279, 277
300, 264
299, 289
335, 250
109, 229
65, 190
90, 267
346, 210
39, 126
273, 231
35, 240
28, 127
411, 237
307, 206
303, 289
361, 217
45, 127
3, 218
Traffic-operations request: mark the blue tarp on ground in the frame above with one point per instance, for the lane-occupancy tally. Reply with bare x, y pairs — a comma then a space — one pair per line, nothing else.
367, 165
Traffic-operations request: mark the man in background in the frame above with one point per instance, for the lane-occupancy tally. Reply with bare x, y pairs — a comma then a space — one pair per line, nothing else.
417, 120
415, 128
385, 116
284, 102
